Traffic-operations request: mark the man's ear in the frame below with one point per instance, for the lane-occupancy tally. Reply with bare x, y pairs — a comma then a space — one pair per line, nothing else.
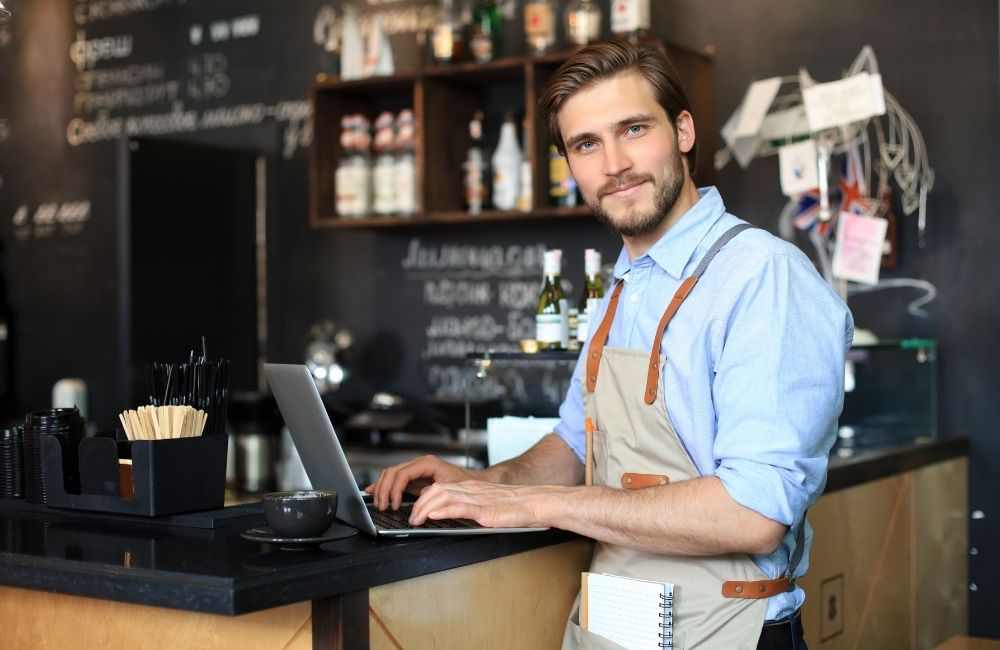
684, 125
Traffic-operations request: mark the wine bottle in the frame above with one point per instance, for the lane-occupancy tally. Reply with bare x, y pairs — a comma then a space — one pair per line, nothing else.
593, 291
551, 323
475, 167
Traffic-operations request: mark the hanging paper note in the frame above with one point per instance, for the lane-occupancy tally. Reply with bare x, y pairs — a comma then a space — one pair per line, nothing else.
798, 168
857, 254
844, 101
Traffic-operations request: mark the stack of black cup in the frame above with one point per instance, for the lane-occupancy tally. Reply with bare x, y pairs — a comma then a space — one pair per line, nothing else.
69, 427
11, 463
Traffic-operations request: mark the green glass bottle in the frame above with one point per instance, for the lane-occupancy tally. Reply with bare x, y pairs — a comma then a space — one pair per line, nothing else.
551, 316
486, 31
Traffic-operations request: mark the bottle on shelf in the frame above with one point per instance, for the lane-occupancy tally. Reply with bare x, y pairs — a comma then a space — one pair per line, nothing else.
551, 315
384, 169
486, 31
446, 38
562, 186
475, 167
352, 177
507, 167
583, 22
630, 19
405, 172
593, 291
539, 26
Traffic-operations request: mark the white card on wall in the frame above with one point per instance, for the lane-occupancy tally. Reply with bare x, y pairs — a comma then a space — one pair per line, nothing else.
857, 254
798, 168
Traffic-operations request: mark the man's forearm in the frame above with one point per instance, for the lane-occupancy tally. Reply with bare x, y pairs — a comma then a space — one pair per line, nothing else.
549, 462
696, 517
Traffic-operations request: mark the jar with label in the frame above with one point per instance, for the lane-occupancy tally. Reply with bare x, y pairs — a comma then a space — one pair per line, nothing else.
406, 168
384, 170
539, 26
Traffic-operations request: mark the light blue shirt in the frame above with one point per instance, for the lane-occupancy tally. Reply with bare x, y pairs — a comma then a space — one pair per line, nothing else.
754, 372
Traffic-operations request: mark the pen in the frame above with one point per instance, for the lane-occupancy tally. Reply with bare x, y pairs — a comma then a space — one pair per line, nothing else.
588, 475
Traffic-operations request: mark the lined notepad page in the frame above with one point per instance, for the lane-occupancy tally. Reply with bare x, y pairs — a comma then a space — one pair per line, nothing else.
628, 611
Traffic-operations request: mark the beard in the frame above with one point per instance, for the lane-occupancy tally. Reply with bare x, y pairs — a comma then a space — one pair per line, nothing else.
634, 222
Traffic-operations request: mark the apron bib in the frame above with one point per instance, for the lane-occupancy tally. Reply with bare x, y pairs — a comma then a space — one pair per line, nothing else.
636, 447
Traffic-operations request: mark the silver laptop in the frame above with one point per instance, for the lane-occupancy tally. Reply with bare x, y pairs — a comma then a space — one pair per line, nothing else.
327, 468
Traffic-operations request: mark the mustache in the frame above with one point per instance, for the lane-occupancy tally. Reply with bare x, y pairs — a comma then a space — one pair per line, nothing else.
620, 182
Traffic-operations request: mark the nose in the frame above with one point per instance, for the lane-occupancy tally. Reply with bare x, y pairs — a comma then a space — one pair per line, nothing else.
616, 159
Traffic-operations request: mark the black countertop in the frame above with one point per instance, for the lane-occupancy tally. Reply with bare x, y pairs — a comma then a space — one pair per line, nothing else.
217, 571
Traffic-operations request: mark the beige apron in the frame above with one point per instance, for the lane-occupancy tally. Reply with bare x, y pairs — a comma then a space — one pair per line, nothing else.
636, 447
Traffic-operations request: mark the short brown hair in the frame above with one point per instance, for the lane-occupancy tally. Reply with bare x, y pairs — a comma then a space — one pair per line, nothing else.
602, 61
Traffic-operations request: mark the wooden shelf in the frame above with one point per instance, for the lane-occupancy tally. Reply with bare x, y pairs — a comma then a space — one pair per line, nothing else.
451, 217
443, 100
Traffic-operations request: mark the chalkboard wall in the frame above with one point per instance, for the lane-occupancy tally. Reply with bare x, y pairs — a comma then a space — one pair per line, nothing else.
77, 76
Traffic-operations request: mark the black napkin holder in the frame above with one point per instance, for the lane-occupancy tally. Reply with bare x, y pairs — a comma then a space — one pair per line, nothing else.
168, 476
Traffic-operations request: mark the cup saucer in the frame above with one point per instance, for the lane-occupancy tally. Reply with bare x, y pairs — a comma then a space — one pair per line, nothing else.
266, 535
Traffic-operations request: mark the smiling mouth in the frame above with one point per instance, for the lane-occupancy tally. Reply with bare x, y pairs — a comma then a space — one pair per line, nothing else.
624, 189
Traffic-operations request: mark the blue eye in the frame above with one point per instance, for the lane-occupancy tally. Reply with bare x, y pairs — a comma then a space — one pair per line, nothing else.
635, 129
587, 145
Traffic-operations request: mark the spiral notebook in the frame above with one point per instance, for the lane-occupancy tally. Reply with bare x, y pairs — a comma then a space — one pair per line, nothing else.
635, 614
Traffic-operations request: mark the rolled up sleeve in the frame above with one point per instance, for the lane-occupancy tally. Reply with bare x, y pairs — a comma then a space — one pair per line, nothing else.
779, 355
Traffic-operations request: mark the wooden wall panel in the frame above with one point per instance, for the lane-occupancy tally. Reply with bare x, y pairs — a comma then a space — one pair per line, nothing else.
521, 601
36, 620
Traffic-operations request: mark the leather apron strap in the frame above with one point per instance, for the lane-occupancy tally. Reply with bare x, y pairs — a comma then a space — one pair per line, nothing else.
653, 372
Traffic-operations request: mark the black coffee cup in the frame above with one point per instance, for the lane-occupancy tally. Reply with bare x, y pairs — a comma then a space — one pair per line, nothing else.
301, 514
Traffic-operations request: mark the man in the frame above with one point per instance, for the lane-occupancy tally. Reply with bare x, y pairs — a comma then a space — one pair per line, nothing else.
713, 379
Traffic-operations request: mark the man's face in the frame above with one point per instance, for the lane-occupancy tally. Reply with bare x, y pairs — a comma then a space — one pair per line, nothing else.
623, 152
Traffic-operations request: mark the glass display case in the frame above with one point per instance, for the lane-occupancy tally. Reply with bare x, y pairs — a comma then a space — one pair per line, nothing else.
890, 395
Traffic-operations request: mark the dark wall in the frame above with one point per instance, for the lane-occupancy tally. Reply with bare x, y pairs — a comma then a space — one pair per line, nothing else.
939, 60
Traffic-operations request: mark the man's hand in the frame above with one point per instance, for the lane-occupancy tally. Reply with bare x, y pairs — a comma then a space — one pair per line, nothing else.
413, 477
488, 504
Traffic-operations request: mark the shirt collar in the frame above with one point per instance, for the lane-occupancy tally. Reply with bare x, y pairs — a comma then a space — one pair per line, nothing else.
675, 249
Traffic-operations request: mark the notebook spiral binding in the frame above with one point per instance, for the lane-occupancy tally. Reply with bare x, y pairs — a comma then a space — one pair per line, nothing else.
667, 636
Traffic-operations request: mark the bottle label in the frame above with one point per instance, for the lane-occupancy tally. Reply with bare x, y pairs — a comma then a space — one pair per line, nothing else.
549, 328
481, 46
384, 179
582, 326
628, 16
406, 186
538, 21
558, 179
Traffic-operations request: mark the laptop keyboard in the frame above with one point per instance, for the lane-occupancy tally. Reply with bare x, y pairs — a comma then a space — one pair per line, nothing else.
398, 520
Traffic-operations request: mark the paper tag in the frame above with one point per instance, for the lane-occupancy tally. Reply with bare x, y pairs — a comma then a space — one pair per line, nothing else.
785, 124
760, 95
841, 102
857, 254
798, 169
743, 148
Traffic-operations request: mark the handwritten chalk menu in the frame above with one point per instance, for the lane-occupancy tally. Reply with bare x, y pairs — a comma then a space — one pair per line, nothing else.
79, 76
476, 291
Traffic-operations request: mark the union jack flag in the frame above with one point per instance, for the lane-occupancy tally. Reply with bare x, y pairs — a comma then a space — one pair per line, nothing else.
853, 188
